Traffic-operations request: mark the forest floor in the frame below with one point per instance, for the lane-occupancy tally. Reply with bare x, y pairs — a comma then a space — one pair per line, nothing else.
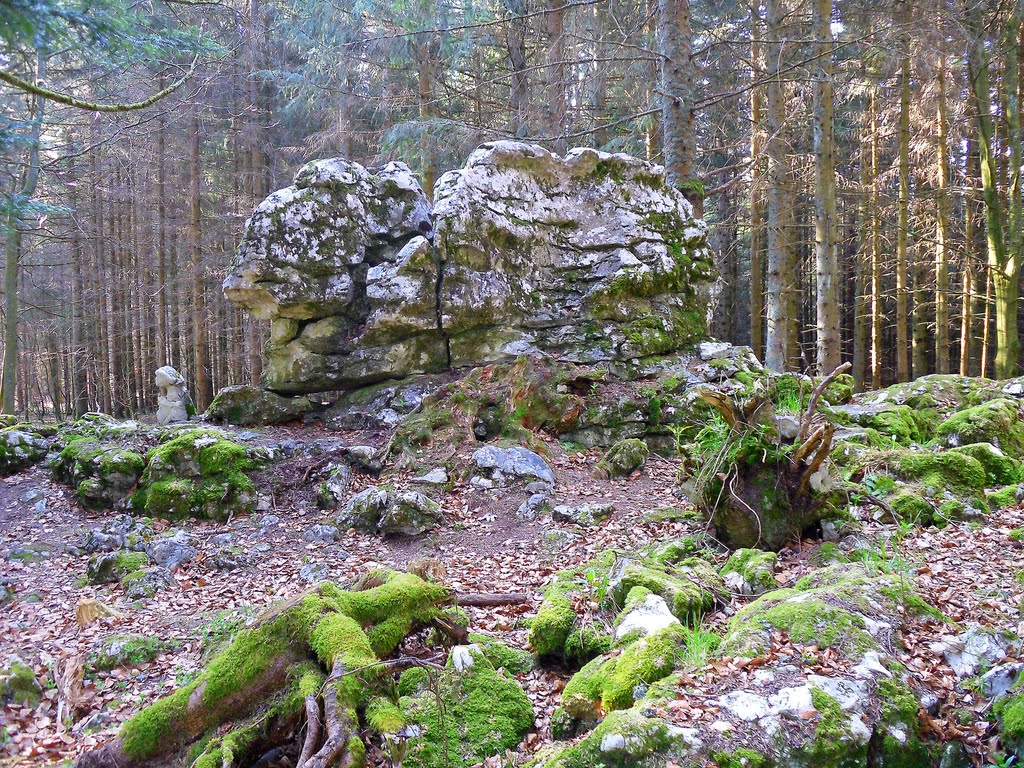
968, 570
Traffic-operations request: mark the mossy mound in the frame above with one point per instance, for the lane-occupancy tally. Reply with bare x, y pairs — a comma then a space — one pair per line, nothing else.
897, 423
997, 422
246, 405
18, 684
567, 627
615, 681
622, 459
198, 473
624, 739
469, 712
948, 469
751, 570
1009, 711
101, 473
20, 448
1000, 469
108, 567
838, 606
125, 651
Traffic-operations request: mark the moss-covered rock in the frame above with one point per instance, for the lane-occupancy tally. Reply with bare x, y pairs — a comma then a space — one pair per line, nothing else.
750, 571
838, 606
898, 423
20, 447
18, 684
1009, 712
624, 739
1002, 498
144, 583
102, 473
946, 469
247, 405
474, 711
622, 459
108, 567
690, 587
616, 681
125, 650
910, 506
997, 422
1000, 469
199, 473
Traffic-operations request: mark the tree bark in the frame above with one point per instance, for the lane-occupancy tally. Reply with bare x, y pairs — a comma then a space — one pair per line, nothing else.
756, 187
781, 281
903, 224
15, 227
825, 224
942, 226
678, 79
200, 347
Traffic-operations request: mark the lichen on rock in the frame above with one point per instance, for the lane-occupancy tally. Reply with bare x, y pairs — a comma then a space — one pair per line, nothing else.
590, 256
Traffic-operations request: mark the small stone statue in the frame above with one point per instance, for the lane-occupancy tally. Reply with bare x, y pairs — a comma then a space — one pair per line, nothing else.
174, 403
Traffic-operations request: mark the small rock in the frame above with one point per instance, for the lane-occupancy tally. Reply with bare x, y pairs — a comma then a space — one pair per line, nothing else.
586, 515
147, 582
409, 513
714, 350
108, 567
1001, 678
436, 476
507, 465
226, 559
788, 426
363, 511
622, 459
556, 541
335, 489
481, 483
18, 684
221, 540
364, 457
266, 522
969, 651
314, 572
173, 551
31, 496
651, 615
321, 533
533, 507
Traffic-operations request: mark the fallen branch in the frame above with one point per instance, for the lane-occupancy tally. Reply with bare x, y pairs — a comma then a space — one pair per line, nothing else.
491, 600
812, 405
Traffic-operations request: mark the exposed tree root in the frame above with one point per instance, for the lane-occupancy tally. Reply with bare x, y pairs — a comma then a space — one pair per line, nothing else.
328, 648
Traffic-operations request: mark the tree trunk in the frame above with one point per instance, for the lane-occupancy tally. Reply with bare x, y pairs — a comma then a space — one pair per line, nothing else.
204, 386
903, 225
781, 282
516, 42
756, 188
556, 73
875, 224
678, 79
12, 247
942, 227
825, 224
1003, 268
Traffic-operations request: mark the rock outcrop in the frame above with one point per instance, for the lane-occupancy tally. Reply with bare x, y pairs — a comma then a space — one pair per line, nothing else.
173, 403
589, 257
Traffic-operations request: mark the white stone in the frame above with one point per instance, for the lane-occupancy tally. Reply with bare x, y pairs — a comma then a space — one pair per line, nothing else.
173, 399
647, 618
462, 656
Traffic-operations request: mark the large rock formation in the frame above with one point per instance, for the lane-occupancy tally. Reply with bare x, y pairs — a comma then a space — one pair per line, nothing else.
590, 257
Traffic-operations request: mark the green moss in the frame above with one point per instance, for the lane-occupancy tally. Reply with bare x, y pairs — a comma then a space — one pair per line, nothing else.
198, 473
740, 758
555, 618
939, 471
1000, 469
832, 744
384, 716
1003, 498
120, 650
1017, 534
908, 505
413, 681
475, 714
514, 660
896, 422
18, 684
642, 738
108, 567
691, 587
623, 458
755, 566
997, 422
1009, 711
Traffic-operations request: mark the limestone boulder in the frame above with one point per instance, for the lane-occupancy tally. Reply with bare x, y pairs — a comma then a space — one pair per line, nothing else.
590, 257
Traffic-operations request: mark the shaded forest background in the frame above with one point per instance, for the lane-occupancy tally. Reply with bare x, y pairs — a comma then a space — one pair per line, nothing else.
136, 213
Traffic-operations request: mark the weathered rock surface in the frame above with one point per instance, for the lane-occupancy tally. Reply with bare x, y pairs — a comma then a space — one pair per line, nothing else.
591, 257
250, 406
20, 448
173, 403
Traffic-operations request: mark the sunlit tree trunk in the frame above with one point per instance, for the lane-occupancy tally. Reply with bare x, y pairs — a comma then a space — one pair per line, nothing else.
825, 223
903, 224
756, 187
781, 280
942, 227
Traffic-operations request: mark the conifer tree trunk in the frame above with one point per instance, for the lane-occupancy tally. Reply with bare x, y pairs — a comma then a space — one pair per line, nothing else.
781, 280
903, 225
756, 188
942, 226
556, 73
876, 250
825, 224
200, 346
516, 44
677, 95
1003, 268
12, 247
